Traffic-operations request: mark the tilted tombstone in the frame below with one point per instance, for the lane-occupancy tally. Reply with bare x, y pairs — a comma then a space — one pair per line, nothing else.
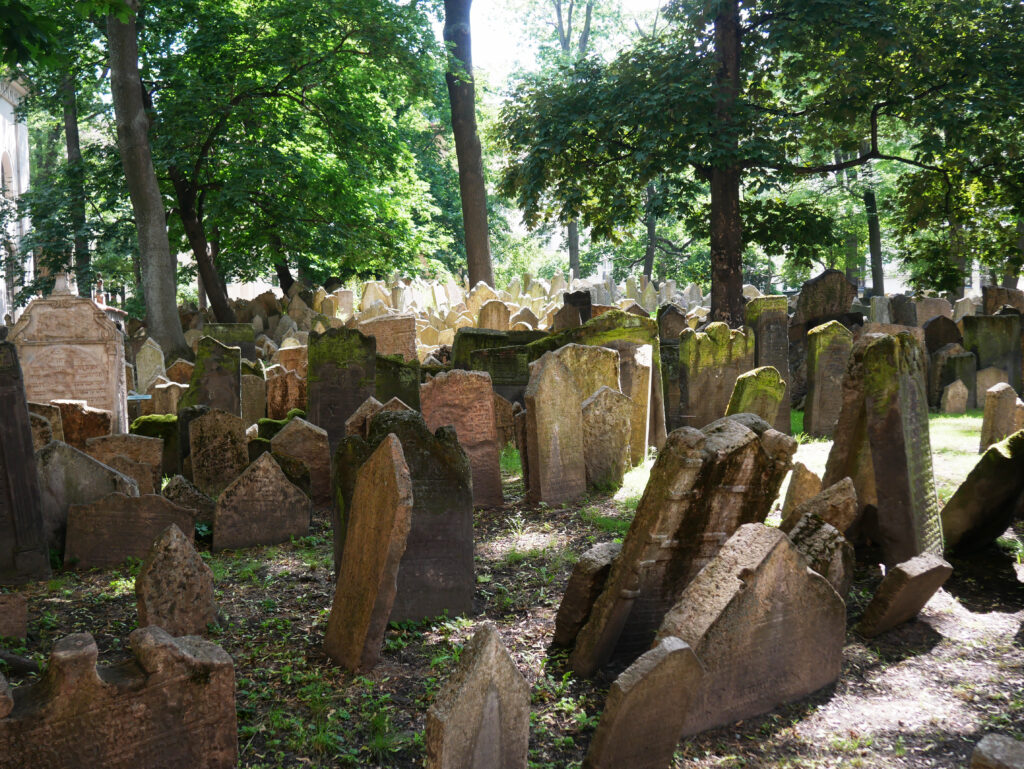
703, 486
828, 353
836, 506
23, 550
465, 400
171, 706
342, 374
758, 391
218, 450
882, 444
359, 422
585, 584
1004, 415
766, 628
174, 588
378, 524
68, 348
42, 433
504, 420
307, 443
646, 709
554, 433
709, 362
995, 341
106, 532
436, 574
481, 717
216, 379
803, 485
261, 507
606, 437
829, 296
903, 592
768, 317
181, 371
181, 492
827, 551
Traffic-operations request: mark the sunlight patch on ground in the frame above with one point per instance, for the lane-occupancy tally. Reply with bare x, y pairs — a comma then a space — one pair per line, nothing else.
521, 542
633, 485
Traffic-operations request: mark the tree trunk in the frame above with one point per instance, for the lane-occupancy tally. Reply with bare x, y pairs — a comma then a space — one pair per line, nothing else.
191, 220
726, 225
284, 276
459, 78
651, 220
76, 175
158, 265
874, 236
573, 236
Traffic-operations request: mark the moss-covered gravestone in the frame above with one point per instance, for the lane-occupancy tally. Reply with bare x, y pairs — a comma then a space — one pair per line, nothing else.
240, 335
216, 378
828, 352
709, 362
164, 427
768, 318
759, 391
341, 375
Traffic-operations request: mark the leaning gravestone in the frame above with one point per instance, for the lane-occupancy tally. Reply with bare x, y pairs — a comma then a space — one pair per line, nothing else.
70, 349
481, 718
554, 433
768, 317
767, 629
904, 591
261, 507
803, 484
218, 450
827, 551
109, 530
378, 527
174, 588
436, 573
584, 586
635, 368
341, 375
23, 550
758, 391
646, 709
606, 437
80, 422
216, 379
171, 707
828, 352
882, 444
465, 400
703, 486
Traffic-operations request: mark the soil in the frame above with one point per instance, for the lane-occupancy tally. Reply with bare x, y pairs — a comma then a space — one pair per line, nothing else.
921, 695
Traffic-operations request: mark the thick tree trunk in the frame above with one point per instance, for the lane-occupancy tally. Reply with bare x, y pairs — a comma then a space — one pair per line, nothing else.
874, 243
158, 265
573, 236
726, 225
76, 174
284, 276
651, 220
467, 143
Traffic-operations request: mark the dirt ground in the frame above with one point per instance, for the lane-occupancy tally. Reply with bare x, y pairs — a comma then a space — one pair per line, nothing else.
919, 696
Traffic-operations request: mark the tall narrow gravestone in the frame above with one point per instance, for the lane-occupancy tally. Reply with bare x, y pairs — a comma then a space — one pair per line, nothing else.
23, 553
554, 433
341, 375
216, 378
768, 317
882, 443
828, 352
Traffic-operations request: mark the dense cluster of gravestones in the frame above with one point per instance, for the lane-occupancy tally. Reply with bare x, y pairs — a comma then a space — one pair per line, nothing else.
392, 416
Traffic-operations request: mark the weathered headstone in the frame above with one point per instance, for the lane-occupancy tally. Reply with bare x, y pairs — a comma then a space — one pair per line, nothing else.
305, 442
995, 297
904, 591
703, 486
341, 375
827, 551
149, 364
23, 541
378, 524
836, 505
803, 484
359, 422
504, 420
768, 317
758, 391
81, 422
904, 310
52, 415
494, 314
465, 400
181, 371
70, 349
766, 628
931, 307
554, 432
828, 353
397, 378
13, 622
285, 391
144, 454
240, 335
635, 378
174, 587
709, 362
646, 709
989, 378
395, 334
254, 398
115, 527
954, 398
261, 507
584, 586
216, 379
606, 437
591, 367
940, 331
171, 707
218, 450
181, 492
1004, 415
995, 341
481, 717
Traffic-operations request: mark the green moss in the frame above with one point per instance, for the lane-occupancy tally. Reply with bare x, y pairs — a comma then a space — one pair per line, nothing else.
758, 391
339, 346
762, 304
268, 428
210, 353
397, 378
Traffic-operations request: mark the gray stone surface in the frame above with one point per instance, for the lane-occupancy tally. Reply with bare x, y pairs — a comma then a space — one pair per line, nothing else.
174, 587
904, 591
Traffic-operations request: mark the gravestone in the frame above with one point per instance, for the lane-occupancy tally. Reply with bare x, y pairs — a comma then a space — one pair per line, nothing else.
591, 367
359, 422
904, 591
81, 422
164, 398
504, 420
584, 586
554, 434
254, 399
216, 379
218, 449
465, 400
904, 310
986, 502
342, 374
767, 629
606, 437
42, 433
149, 364
138, 449
436, 573
1004, 415
635, 382
52, 415
106, 532
940, 331
306, 443
822, 298
181, 492
261, 507
954, 398
394, 334
581, 300
171, 706
23, 542
703, 486
174, 587
931, 307
943, 367
709, 362
987, 379
671, 323
240, 335
836, 506
995, 341
494, 314
995, 297
68, 348
827, 551
397, 378
13, 624
378, 524
882, 444
645, 712
768, 317
481, 717
181, 371
828, 352
285, 391
803, 484
758, 391
293, 357
962, 366
880, 311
